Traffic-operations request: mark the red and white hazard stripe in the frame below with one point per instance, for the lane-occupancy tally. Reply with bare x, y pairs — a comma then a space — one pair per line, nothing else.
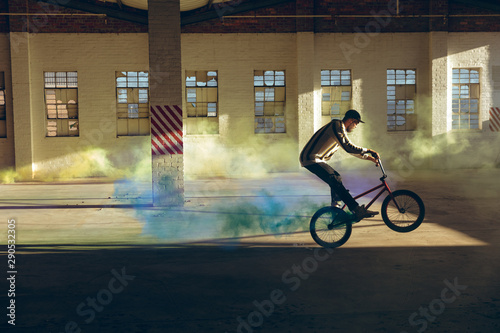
166, 130
495, 119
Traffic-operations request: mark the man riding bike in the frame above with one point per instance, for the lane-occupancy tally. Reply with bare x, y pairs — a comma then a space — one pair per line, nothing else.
320, 148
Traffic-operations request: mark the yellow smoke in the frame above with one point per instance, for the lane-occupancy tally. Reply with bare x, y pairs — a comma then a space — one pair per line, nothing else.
257, 157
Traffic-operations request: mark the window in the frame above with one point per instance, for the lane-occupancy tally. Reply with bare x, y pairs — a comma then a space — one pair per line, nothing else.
269, 91
3, 111
465, 98
132, 103
401, 90
202, 102
61, 103
336, 93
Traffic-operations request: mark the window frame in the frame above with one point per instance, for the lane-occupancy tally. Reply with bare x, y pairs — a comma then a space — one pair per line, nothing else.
269, 101
202, 102
66, 113
135, 117
335, 87
472, 88
395, 88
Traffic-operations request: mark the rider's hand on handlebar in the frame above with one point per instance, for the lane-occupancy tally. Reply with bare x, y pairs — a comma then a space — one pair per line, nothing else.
374, 154
373, 159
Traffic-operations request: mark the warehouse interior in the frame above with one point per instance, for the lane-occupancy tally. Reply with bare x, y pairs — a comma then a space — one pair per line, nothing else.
398, 62
150, 163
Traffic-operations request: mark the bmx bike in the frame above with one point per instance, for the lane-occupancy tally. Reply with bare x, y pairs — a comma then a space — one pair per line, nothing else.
402, 211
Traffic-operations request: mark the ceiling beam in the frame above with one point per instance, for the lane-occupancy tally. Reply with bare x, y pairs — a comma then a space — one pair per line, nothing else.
225, 9
138, 16
141, 16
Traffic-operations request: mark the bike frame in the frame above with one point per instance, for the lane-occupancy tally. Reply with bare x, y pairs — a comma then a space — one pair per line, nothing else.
384, 187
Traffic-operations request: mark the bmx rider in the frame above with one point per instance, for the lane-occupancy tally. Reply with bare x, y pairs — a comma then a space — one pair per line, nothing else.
320, 148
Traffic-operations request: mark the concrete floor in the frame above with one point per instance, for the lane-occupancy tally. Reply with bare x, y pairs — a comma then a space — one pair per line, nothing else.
96, 257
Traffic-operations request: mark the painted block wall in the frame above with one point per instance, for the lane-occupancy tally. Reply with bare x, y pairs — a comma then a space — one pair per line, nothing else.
96, 58
368, 58
7, 144
236, 150
475, 148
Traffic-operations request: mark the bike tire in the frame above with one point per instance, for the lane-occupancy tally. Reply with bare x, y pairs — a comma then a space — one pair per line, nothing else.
409, 217
334, 236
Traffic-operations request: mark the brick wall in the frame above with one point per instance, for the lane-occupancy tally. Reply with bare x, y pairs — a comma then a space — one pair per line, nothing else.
65, 24
96, 58
245, 25
384, 9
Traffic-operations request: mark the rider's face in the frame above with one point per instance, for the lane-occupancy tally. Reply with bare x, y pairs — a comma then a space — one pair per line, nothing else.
352, 125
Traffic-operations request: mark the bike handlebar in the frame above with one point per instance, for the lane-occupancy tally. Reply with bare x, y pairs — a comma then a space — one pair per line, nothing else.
384, 175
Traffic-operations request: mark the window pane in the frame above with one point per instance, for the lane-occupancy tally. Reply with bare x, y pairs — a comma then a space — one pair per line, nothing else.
143, 80
410, 106
269, 78
258, 81
474, 76
133, 111
72, 80
212, 110
191, 81
191, 95
269, 95
121, 82
50, 79
122, 96
61, 80
143, 96
345, 96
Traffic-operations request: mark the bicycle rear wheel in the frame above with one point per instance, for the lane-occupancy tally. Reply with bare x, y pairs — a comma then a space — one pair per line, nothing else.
330, 227
407, 215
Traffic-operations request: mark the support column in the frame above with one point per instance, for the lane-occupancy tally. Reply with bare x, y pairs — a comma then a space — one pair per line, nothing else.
309, 111
166, 101
309, 118
438, 49
21, 96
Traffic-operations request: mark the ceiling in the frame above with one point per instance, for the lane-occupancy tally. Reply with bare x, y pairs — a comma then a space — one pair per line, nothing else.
186, 5
137, 10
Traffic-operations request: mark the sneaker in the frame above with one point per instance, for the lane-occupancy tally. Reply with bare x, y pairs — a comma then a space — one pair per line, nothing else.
361, 212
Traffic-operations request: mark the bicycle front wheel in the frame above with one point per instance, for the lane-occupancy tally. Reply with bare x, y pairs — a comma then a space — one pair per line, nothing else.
407, 215
330, 227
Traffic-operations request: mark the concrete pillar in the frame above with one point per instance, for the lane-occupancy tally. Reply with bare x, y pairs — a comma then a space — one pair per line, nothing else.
438, 57
166, 102
309, 112
21, 95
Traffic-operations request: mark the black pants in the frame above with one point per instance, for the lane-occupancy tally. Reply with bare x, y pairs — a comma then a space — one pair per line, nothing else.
333, 178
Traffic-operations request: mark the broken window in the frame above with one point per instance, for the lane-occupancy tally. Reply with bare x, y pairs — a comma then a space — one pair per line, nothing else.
336, 93
61, 103
202, 102
401, 91
132, 103
269, 107
465, 98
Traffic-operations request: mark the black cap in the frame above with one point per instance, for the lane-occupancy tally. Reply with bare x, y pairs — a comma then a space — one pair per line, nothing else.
353, 114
